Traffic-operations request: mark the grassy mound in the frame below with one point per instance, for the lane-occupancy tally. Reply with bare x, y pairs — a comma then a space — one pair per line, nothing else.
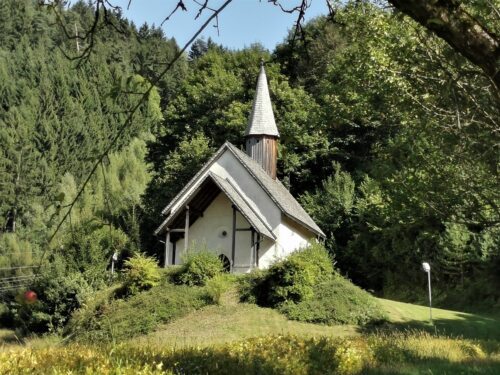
233, 321
107, 319
336, 301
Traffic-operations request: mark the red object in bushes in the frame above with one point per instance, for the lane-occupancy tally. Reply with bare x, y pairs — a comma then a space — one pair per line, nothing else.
30, 296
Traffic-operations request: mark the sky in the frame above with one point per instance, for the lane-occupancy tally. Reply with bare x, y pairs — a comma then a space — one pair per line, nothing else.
241, 23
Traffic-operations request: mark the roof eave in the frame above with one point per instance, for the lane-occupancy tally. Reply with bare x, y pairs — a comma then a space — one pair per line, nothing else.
270, 233
262, 134
191, 182
316, 231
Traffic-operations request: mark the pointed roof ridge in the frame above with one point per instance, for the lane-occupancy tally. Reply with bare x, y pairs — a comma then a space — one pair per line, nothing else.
261, 120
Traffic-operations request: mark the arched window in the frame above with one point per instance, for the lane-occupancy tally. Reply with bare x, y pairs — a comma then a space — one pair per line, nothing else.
226, 263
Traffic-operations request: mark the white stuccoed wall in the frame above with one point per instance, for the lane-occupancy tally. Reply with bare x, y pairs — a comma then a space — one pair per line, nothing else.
292, 236
206, 233
267, 253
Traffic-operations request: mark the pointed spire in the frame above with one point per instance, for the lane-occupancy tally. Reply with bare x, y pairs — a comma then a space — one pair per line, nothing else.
261, 121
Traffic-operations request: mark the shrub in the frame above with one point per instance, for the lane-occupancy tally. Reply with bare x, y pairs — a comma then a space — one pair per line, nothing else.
58, 295
336, 301
107, 319
88, 251
141, 273
198, 268
251, 288
305, 287
218, 285
293, 279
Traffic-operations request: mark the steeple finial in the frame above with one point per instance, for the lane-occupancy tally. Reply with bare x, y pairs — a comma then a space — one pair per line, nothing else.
261, 121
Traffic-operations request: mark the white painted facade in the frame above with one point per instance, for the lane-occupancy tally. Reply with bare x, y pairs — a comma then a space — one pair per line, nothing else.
213, 231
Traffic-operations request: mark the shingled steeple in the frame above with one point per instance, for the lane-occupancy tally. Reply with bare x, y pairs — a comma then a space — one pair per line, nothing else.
262, 133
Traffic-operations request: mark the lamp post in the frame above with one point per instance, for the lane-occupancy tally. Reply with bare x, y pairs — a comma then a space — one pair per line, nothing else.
427, 268
114, 258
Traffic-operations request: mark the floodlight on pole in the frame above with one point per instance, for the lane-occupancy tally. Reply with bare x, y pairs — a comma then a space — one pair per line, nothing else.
427, 268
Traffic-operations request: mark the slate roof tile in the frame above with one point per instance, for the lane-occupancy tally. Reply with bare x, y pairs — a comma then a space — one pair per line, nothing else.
261, 121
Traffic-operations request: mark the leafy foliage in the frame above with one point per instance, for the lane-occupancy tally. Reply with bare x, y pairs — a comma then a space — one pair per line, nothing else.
59, 293
401, 115
108, 319
332, 206
218, 285
305, 287
337, 301
198, 268
292, 279
141, 273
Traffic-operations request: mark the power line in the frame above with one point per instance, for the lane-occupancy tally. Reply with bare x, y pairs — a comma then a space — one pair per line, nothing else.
16, 279
12, 287
17, 268
17, 252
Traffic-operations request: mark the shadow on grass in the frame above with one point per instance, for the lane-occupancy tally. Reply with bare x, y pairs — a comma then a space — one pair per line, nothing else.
8, 337
316, 358
439, 367
466, 326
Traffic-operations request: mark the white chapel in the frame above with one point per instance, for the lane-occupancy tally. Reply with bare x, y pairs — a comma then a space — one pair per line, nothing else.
235, 206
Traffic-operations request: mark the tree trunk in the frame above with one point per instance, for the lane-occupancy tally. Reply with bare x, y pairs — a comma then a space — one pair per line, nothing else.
451, 22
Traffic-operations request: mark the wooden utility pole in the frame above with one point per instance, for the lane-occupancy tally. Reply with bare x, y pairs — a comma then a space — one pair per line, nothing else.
233, 245
186, 230
167, 247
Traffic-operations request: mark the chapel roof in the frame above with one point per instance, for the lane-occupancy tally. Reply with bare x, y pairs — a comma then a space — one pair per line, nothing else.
261, 121
237, 197
276, 191
274, 188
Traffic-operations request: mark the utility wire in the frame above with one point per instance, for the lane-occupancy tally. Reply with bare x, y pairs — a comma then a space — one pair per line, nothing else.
126, 123
16, 277
17, 268
18, 280
17, 252
10, 287
5, 288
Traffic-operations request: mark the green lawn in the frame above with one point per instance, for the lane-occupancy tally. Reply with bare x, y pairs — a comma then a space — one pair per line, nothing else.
446, 322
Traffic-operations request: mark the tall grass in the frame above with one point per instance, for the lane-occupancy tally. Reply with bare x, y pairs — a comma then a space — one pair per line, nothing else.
410, 352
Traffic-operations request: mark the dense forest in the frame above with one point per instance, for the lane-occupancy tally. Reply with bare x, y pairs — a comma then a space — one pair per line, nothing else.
389, 138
